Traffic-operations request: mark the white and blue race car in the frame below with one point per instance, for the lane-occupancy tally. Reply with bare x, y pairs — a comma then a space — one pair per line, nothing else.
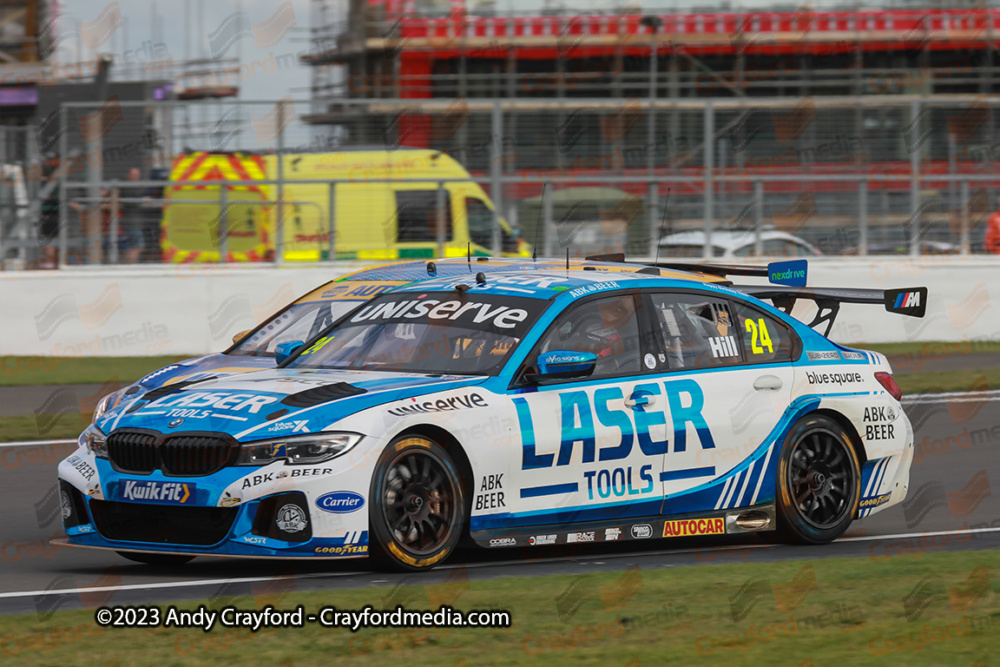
515, 408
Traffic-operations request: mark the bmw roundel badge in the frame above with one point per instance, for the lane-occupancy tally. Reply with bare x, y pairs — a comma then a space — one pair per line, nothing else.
176, 422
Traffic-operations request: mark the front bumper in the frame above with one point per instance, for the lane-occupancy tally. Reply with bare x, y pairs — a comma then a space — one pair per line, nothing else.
243, 512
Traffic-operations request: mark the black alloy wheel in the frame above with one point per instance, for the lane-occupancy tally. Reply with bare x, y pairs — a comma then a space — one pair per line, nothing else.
418, 509
818, 481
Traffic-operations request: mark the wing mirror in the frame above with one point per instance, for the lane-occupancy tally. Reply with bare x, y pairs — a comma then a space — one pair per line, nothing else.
241, 335
284, 350
563, 365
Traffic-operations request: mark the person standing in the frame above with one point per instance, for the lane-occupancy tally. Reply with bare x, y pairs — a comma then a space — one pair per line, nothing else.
130, 235
48, 224
992, 240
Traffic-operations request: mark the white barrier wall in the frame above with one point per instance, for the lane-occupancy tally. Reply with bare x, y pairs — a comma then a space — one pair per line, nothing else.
190, 310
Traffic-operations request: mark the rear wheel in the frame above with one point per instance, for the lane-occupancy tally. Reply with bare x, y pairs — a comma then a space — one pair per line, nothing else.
156, 560
818, 481
417, 512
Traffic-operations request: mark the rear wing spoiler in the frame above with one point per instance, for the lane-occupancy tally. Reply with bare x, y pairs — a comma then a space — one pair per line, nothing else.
721, 270
911, 301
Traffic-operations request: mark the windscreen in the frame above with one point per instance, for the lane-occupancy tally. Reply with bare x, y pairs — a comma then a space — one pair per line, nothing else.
427, 332
300, 321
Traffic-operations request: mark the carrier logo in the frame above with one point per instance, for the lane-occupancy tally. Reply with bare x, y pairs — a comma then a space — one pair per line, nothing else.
340, 502
642, 531
690, 527
163, 493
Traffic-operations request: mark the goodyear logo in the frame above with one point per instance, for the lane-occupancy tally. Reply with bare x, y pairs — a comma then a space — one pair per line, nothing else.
876, 501
689, 527
161, 493
352, 549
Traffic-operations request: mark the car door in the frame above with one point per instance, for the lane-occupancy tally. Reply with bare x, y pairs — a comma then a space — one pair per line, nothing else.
726, 384
592, 448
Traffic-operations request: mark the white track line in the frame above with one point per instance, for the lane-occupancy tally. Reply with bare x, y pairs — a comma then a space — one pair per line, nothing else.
29, 443
321, 575
171, 584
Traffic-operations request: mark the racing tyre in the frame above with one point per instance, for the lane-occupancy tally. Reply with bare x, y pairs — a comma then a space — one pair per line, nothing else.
418, 510
156, 560
818, 481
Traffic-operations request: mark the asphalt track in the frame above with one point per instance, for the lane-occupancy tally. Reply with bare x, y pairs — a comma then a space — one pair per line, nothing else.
950, 508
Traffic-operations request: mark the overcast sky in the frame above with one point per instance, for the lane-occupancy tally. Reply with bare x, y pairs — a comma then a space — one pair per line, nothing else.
181, 29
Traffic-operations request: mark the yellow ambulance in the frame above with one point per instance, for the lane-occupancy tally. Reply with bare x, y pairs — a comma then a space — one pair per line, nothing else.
375, 216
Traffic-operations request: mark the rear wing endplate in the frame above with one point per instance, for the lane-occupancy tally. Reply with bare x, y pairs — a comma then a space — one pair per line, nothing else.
911, 301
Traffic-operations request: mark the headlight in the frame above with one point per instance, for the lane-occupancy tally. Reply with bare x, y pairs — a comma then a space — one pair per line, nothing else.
93, 439
314, 448
105, 403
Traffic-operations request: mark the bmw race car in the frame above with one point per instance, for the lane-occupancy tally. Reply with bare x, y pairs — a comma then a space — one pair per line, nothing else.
306, 316
517, 408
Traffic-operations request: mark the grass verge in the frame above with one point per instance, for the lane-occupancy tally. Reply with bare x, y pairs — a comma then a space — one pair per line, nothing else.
925, 383
932, 347
24, 371
42, 427
933, 609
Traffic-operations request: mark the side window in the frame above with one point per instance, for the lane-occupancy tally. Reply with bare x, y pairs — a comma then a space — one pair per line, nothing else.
416, 216
763, 338
480, 219
695, 331
606, 327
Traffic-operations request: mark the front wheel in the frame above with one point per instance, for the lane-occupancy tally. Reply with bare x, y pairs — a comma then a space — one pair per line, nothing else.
818, 481
417, 511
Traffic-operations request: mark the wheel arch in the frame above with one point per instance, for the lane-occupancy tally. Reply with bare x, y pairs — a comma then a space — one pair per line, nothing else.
454, 449
848, 426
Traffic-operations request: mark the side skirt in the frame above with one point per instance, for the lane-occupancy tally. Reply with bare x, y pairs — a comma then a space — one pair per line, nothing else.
746, 520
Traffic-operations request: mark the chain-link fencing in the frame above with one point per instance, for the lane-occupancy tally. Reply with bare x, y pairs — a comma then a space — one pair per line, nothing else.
124, 182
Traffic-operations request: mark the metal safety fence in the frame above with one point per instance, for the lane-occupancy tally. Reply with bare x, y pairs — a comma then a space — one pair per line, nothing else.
122, 182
